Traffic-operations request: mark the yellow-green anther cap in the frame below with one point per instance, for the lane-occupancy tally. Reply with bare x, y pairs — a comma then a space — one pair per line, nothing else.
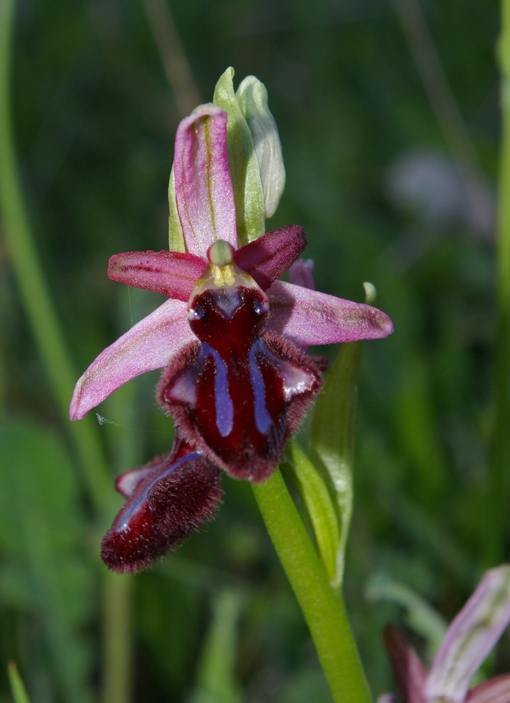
252, 98
220, 253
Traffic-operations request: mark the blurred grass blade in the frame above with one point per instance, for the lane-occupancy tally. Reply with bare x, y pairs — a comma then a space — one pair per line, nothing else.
33, 285
420, 616
41, 528
318, 503
216, 675
17, 686
416, 424
332, 438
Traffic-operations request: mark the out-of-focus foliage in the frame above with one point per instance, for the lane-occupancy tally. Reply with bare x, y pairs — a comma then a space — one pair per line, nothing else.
378, 190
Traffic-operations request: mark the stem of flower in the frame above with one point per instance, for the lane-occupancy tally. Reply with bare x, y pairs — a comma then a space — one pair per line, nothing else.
322, 606
500, 440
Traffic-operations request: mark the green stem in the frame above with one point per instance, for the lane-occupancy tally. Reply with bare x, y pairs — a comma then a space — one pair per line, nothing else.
322, 606
500, 440
33, 286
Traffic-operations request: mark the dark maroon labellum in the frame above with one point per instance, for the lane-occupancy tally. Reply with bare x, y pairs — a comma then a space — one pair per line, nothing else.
167, 500
239, 393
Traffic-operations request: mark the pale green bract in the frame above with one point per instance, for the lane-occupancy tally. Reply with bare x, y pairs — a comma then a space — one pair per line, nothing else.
318, 503
332, 439
252, 98
243, 164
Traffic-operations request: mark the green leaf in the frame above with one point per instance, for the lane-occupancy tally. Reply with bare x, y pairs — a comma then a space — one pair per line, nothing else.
317, 500
42, 530
17, 686
243, 164
332, 438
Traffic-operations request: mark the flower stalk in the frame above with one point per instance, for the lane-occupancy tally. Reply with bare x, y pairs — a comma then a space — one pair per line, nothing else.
323, 606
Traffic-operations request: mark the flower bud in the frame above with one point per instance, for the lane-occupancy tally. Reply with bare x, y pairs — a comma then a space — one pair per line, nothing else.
252, 98
243, 164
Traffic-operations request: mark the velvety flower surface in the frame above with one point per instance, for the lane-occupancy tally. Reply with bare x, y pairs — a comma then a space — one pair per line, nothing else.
469, 639
231, 339
166, 501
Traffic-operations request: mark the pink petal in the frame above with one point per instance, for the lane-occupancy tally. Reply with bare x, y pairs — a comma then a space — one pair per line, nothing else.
203, 187
301, 274
408, 671
148, 345
470, 637
308, 317
168, 272
496, 690
267, 257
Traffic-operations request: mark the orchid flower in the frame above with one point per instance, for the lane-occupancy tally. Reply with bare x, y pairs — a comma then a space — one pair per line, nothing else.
468, 641
231, 339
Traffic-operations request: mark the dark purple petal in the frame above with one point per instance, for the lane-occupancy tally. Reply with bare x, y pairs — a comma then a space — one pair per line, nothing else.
203, 187
301, 274
168, 272
497, 690
268, 257
173, 497
308, 317
148, 345
470, 637
408, 671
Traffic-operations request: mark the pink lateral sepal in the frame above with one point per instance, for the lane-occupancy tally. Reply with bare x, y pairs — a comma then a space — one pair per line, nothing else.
308, 317
148, 345
169, 272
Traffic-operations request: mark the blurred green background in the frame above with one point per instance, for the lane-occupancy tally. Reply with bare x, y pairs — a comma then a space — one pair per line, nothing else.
389, 119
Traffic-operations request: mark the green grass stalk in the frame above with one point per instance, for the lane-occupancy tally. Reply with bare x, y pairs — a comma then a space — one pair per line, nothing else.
500, 439
44, 323
33, 287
